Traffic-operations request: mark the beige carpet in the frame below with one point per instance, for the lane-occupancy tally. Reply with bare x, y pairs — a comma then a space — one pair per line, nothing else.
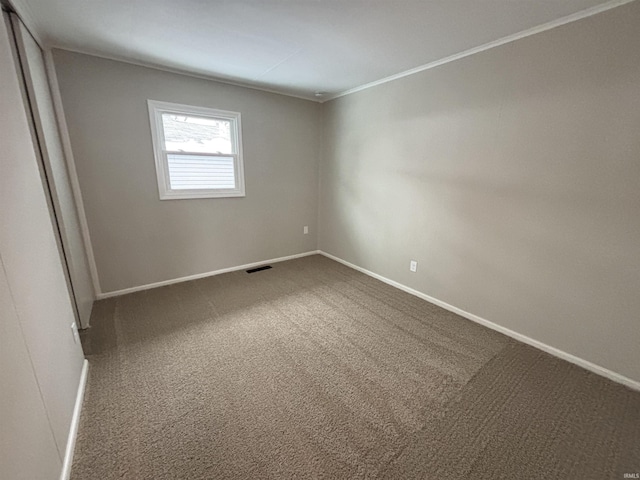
313, 370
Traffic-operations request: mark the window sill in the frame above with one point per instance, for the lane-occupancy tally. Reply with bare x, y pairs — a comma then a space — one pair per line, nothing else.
188, 195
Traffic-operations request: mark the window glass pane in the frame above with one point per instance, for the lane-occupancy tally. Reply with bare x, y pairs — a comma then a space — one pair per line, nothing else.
195, 172
188, 133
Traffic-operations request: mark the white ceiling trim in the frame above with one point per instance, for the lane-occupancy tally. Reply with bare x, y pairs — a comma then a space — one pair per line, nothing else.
496, 43
201, 76
23, 11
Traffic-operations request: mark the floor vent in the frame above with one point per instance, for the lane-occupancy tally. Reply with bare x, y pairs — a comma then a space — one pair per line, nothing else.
253, 270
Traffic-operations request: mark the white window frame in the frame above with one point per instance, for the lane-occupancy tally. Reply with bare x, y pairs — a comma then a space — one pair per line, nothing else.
156, 109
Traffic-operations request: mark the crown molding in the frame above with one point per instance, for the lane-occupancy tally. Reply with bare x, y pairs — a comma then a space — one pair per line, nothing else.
24, 12
487, 46
187, 73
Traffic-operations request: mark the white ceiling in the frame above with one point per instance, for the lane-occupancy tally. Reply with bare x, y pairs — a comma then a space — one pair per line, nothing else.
296, 47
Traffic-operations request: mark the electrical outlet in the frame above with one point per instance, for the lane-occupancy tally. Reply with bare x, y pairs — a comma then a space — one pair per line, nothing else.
413, 266
305, 229
74, 329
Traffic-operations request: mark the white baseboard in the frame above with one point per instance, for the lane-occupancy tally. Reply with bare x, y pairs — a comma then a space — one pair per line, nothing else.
616, 377
75, 422
124, 291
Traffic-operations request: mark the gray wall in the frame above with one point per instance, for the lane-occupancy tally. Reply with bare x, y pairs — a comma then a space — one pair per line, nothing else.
512, 177
139, 239
40, 365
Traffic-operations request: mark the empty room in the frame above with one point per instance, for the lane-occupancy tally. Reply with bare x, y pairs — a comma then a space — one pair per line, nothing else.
304, 239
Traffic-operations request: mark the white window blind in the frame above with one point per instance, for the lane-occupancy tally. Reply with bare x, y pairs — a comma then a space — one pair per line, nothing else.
198, 151
187, 172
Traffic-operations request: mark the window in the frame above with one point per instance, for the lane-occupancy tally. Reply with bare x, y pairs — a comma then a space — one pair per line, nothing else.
198, 151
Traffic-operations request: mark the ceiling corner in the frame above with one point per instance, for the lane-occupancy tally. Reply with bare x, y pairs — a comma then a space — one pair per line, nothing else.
23, 11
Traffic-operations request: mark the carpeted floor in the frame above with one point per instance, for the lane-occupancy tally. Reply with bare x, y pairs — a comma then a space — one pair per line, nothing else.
313, 370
